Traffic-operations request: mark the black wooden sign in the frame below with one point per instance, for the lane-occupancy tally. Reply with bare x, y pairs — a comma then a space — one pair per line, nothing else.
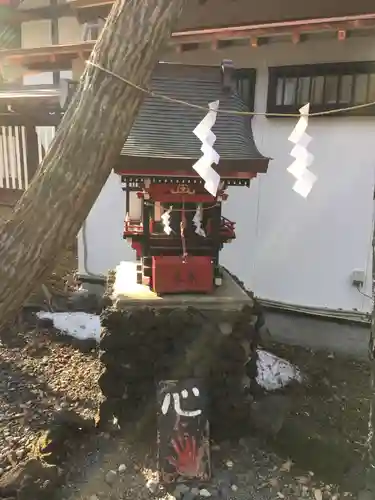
183, 431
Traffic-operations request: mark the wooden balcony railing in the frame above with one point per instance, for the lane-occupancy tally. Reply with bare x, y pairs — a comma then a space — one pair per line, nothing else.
21, 151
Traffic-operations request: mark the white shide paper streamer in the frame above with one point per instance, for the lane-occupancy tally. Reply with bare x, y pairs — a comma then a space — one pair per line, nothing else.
203, 166
305, 179
166, 220
197, 220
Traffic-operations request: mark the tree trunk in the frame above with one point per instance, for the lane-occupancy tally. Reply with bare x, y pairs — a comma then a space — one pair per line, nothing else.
86, 146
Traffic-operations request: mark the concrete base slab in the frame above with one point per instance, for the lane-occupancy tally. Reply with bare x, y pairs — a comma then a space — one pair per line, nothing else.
316, 333
126, 292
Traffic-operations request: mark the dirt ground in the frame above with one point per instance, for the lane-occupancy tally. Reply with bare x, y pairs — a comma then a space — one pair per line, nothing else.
39, 375
318, 454
329, 417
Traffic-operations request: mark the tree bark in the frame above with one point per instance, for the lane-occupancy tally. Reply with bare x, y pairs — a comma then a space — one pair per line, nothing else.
87, 144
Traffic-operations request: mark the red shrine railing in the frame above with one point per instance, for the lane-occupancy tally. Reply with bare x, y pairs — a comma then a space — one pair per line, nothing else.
227, 227
135, 227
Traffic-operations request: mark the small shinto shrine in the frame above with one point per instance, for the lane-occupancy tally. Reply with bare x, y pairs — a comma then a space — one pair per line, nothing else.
174, 224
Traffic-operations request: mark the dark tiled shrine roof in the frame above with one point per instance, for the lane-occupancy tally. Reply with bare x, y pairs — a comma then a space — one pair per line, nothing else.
165, 129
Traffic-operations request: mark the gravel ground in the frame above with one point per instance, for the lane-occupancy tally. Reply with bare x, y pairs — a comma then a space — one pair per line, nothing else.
241, 471
40, 374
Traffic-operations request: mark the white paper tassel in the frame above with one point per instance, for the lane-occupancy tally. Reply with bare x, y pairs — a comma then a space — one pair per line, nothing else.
303, 158
197, 220
203, 166
166, 220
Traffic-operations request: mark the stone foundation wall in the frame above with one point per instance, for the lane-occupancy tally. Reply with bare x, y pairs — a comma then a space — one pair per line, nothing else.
141, 346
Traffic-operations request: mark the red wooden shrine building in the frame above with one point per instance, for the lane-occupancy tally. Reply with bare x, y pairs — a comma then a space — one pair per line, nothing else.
157, 160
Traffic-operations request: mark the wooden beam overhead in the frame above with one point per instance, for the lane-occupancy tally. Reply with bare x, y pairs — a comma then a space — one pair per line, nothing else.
273, 29
254, 34
82, 4
37, 56
48, 12
296, 37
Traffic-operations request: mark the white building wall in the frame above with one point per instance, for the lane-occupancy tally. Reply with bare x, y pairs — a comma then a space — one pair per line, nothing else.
289, 249
100, 242
70, 31
36, 34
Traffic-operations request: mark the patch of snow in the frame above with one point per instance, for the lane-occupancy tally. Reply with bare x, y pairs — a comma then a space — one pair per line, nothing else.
274, 372
80, 325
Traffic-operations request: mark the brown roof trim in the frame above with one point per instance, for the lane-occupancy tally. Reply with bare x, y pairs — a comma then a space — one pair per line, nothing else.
182, 167
279, 24
55, 56
276, 28
48, 50
83, 4
34, 55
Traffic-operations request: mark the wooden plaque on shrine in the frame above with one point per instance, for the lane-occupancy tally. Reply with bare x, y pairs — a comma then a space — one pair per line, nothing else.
183, 431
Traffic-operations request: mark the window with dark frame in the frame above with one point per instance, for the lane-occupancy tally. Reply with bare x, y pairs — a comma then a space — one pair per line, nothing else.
245, 82
324, 86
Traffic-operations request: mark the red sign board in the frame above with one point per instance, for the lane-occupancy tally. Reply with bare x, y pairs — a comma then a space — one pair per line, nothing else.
173, 274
